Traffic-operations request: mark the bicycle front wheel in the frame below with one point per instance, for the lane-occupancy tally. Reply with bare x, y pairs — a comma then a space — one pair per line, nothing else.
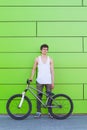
60, 106
13, 109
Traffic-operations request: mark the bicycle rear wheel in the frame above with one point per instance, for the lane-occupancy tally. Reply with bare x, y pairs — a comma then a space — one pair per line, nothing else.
14, 111
60, 106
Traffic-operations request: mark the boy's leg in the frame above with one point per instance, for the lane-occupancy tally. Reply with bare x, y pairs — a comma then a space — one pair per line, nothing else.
48, 91
48, 88
39, 87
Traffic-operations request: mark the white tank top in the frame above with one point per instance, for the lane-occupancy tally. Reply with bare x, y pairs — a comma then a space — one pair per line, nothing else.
44, 74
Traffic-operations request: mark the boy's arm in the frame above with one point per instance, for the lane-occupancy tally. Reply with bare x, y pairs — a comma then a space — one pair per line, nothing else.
34, 69
52, 72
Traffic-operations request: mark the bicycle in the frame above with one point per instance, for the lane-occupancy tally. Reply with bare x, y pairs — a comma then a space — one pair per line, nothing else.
19, 106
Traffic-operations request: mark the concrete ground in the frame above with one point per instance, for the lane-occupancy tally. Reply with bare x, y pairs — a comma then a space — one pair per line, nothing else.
44, 123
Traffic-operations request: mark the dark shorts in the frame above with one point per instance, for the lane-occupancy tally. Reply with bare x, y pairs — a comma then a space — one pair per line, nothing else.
41, 86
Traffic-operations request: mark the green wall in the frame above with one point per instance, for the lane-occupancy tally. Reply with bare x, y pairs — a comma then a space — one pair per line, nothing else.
24, 26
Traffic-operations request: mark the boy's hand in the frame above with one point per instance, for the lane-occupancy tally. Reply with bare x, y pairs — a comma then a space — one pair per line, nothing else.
52, 86
31, 79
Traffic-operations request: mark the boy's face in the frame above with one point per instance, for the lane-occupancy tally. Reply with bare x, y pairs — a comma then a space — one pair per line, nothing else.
44, 50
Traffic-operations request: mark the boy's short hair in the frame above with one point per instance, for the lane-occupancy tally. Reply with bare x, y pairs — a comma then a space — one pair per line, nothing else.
44, 46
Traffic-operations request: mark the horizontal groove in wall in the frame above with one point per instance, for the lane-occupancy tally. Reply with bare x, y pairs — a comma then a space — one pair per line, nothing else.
48, 53
4, 99
64, 36
42, 21
17, 21
41, 36
48, 6
54, 68
17, 36
35, 83
72, 99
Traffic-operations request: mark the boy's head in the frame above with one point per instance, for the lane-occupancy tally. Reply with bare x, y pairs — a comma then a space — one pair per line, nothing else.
44, 46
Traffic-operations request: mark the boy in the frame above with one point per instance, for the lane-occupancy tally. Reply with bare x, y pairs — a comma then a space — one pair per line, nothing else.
45, 75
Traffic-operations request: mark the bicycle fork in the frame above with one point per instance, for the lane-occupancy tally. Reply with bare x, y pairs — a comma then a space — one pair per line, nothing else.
22, 99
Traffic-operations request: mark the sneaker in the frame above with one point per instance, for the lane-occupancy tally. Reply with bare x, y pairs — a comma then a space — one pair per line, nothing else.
50, 116
38, 115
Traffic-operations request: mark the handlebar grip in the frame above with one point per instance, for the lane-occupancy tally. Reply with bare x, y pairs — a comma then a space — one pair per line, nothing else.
28, 81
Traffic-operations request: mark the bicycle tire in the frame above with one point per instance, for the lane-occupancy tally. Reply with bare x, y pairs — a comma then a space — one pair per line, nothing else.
60, 106
15, 112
